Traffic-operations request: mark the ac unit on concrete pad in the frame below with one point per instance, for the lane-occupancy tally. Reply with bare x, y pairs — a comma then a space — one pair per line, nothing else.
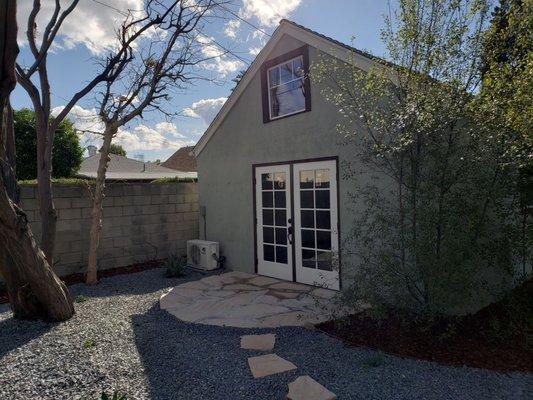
202, 254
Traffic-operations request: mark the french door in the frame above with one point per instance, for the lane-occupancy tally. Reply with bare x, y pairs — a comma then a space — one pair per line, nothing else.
297, 229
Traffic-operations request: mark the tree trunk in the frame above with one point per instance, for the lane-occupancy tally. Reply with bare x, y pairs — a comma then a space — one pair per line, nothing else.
33, 288
96, 213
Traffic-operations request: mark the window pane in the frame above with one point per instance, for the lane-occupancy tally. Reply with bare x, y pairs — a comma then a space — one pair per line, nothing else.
286, 72
267, 199
281, 236
308, 219
323, 240
308, 258
266, 180
287, 98
323, 220
281, 254
298, 67
268, 235
308, 238
281, 218
268, 252
322, 198
280, 199
307, 179
268, 217
279, 180
307, 199
324, 260
273, 77
322, 178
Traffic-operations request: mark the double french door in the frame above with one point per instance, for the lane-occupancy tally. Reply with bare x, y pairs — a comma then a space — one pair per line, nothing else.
296, 222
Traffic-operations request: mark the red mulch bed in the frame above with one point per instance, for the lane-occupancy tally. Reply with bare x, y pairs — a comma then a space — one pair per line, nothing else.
472, 342
72, 279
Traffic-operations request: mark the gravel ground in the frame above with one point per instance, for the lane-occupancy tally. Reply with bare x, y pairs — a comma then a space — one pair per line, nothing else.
142, 351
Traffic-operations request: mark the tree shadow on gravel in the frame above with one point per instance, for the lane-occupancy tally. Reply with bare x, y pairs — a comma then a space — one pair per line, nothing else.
192, 361
16, 333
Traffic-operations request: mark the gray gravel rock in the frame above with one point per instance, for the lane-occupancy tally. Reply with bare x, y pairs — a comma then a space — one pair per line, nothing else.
144, 352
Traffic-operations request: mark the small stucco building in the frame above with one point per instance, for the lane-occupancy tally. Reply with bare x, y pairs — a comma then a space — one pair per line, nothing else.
271, 187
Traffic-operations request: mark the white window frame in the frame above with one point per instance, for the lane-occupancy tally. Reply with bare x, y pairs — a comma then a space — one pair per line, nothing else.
269, 88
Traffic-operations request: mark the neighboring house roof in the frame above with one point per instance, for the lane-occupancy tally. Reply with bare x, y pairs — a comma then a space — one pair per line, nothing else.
123, 168
182, 160
324, 43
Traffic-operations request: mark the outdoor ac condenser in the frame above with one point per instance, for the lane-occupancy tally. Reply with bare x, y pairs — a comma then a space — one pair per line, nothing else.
202, 254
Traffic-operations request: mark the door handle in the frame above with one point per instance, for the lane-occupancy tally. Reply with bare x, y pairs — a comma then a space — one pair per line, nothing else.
289, 231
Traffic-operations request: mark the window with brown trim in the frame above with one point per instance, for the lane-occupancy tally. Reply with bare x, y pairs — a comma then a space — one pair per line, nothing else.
285, 85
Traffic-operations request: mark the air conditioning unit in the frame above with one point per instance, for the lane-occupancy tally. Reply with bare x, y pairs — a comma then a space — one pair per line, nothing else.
202, 254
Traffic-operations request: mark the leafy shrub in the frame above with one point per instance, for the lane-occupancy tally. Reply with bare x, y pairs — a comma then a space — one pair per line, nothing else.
115, 396
175, 266
81, 299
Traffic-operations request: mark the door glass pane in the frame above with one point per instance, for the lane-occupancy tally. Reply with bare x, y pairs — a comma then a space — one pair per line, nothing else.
281, 218
281, 254
268, 235
267, 199
268, 217
308, 238
308, 219
322, 198
322, 178
266, 181
280, 199
307, 199
268, 252
279, 180
323, 219
308, 258
323, 240
307, 179
324, 261
281, 236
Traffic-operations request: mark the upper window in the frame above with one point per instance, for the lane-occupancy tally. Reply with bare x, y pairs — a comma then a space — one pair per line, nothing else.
285, 85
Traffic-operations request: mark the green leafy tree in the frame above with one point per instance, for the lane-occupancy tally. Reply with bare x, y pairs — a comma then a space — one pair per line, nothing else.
67, 155
117, 149
437, 216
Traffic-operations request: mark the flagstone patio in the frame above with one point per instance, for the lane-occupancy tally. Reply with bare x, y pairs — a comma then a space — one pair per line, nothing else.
245, 300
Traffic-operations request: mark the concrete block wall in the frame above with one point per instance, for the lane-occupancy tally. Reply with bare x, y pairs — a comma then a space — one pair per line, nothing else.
141, 222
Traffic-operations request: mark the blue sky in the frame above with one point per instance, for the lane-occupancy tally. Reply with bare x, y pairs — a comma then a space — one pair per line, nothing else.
89, 29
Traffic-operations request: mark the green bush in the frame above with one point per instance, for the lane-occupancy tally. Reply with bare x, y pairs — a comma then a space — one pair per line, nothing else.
175, 266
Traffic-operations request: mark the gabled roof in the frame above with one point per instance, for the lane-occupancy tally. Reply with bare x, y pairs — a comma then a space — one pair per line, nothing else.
323, 43
181, 160
123, 168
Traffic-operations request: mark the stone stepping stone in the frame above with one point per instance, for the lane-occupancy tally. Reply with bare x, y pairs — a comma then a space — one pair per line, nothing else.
306, 388
258, 342
269, 364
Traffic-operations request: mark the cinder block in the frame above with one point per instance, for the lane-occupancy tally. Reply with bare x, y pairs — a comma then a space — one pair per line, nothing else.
28, 192
112, 212
70, 213
142, 200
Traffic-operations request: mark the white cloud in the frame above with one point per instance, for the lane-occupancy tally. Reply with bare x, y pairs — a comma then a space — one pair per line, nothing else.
219, 60
164, 135
205, 109
90, 24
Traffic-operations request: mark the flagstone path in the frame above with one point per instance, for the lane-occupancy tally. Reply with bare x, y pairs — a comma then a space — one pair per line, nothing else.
245, 300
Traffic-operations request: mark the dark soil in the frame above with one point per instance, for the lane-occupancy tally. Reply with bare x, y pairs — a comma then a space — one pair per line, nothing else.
498, 337
80, 278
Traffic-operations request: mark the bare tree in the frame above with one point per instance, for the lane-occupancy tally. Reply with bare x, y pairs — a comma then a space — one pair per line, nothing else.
41, 99
34, 290
156, 66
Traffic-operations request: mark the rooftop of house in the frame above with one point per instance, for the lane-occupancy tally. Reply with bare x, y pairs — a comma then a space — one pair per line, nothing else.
124, 168
182, 160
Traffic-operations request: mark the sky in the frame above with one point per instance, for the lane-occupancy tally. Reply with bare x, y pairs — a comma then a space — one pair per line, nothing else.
88, 33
